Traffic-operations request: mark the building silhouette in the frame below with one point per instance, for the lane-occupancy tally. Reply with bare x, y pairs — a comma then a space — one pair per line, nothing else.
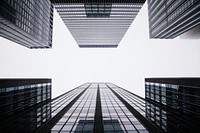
173, 103
105, 107
171, 18
98, 23
28, 23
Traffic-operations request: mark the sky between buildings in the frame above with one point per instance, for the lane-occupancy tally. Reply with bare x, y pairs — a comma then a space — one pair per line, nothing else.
137, 57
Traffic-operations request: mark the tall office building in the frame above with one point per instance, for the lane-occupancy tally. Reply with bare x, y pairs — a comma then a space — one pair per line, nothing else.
105, 108
98, 23
171, 18
180, 98
24, 104
27, 22
98, 109
91, 107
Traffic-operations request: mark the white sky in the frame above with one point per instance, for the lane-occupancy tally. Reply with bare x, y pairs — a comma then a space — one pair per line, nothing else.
136, 58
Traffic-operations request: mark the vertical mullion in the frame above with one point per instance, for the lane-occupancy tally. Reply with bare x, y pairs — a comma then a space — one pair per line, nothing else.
98, 122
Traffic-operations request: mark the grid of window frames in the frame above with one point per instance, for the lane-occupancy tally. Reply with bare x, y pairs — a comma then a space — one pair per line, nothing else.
20, 105
59, 103
43, 114
80, 117
170, 18
175, 119
27, 22
116, 117
171, 120
29, 121
181, 101
16, 98
156, 92
136, 102
157, 115
98, 24
180, 97
98, 9
37, 116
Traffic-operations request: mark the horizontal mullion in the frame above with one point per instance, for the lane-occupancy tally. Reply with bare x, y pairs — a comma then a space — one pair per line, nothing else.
99, 26
78, 11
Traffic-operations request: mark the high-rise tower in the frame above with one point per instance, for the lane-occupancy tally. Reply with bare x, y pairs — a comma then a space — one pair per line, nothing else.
171, 18
24, 104
105, 107
27, 22
98, 23
173, 103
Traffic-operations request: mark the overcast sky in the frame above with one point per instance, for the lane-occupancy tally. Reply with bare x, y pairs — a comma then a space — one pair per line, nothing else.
136, 58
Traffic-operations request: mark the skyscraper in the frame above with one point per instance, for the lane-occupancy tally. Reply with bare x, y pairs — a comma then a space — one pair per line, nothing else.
173, 103
171, 18
98, 23
98, 109
24, 104
91, 107
28, 23
105, 107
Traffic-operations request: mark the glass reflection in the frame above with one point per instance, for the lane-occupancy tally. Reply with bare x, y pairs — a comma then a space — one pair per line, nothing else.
24, 104
173, 108
27, 120
98, 10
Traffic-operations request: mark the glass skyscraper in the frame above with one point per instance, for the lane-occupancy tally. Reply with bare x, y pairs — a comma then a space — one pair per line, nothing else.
95, 107
24, 104
106, 108
173, 104
27, 22
98, 23
171, 18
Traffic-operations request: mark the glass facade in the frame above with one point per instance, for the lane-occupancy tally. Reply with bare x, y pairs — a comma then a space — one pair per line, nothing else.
98, 23
136, 102
96, 100
116, 116
106, 108
80, 117
98, 10
59, 103
173, 104
171, 18
27, 22
24, 104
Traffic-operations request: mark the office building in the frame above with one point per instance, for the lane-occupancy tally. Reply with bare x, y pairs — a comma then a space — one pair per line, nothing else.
91, 107
97, 107
105, 108
173, 103
24, 104
171, 18
98, 23
28, 22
